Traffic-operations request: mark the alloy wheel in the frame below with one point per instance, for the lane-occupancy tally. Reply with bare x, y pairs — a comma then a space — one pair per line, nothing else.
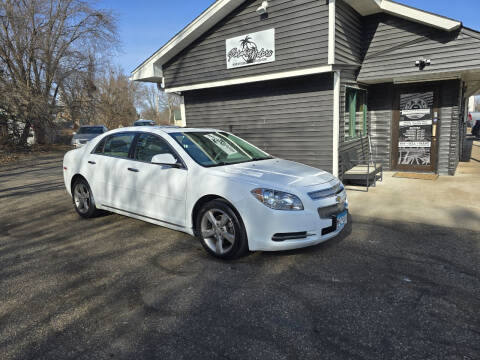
81, 197
218, 231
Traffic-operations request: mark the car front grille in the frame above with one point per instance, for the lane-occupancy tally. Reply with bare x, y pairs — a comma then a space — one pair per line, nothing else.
321, 194
329, 211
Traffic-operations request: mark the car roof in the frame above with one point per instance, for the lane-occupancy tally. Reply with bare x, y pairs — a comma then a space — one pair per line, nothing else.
164, 129
171, 129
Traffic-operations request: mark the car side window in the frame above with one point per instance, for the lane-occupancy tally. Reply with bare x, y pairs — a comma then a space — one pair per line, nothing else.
100, 146
150, 145
118, 145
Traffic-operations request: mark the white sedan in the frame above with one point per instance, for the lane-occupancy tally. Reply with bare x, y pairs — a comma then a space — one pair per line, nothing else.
208, 183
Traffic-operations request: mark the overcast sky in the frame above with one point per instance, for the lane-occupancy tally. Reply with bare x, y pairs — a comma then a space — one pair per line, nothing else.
146, 25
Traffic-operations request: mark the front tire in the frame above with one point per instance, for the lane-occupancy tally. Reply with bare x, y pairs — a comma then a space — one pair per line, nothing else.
221, 230
83, 199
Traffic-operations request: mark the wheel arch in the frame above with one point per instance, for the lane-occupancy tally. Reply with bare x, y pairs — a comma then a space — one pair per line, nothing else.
75, 178
206, 199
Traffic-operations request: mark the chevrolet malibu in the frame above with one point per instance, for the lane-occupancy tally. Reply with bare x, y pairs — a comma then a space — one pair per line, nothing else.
208, 183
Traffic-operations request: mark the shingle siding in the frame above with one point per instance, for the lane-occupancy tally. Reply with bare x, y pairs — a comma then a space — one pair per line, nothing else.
394, 44
291, 119
301, 41
349, 47
380, 105
449, 128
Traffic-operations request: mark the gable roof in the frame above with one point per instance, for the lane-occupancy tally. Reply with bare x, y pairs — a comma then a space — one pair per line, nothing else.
151, 69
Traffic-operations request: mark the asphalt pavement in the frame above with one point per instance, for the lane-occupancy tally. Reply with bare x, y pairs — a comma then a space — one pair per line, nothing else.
118, 288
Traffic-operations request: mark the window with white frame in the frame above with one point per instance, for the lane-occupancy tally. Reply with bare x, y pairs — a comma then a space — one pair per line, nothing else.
355, 113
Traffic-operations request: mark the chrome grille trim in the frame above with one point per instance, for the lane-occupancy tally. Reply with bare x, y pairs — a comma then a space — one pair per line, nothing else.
322, 194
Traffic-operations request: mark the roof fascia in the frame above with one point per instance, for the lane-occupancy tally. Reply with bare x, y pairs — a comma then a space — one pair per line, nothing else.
417, 15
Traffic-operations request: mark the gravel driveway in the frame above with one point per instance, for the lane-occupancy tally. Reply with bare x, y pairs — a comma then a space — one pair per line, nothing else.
118, 288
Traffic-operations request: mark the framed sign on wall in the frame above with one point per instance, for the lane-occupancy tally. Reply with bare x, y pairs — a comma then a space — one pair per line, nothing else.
251, 49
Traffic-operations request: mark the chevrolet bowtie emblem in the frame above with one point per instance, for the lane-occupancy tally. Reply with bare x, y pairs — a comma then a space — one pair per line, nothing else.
339, 199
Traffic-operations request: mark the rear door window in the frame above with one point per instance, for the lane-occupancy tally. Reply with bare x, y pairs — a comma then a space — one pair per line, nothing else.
118, 145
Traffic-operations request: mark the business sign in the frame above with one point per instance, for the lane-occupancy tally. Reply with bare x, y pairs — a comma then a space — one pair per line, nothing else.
251, 49
415, 129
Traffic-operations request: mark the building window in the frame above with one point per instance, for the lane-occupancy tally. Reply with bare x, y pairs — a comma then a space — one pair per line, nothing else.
355, 113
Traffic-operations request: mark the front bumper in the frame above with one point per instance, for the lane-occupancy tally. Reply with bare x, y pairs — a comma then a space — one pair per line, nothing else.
312, 240
263, 224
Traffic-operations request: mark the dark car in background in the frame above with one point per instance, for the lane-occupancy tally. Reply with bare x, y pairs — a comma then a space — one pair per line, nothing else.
144, 123
87, 133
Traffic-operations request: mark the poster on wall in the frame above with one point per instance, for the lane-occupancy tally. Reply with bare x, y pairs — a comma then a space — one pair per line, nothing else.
415, 127
251, 49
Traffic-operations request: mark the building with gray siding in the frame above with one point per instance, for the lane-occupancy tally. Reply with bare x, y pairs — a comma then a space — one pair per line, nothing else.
315, 80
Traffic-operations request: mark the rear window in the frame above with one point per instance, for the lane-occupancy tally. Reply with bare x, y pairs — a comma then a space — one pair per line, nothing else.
91, 130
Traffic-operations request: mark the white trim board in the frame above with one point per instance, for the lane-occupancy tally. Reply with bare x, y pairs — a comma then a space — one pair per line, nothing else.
252, 79
336, 123
332, 10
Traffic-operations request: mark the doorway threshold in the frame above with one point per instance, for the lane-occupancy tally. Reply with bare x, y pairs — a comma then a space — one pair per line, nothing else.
418, 176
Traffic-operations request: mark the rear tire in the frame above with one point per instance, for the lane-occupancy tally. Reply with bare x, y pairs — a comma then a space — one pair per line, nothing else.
221, 231
83, 200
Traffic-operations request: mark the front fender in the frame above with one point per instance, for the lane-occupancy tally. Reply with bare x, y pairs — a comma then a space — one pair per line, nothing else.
235, 192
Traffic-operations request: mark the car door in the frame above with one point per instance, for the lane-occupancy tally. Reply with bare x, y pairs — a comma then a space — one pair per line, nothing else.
110, 160
159, 190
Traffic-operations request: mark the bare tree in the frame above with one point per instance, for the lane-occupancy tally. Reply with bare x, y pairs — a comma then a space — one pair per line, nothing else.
171, 102
157, 105
149, 103
43, 43
78, 95
116, 99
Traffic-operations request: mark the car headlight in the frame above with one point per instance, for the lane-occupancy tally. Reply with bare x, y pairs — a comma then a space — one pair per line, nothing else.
278, 200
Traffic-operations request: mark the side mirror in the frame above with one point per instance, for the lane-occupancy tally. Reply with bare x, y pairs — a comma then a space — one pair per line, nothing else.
165, 159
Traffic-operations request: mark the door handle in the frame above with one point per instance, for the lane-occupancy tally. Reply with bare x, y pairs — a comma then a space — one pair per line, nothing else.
92, 162
133, 170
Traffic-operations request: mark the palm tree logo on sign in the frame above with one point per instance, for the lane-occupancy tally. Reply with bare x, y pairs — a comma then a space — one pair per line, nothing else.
249, 49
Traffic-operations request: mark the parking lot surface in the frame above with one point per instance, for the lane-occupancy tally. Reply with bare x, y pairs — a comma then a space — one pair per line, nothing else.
118, 288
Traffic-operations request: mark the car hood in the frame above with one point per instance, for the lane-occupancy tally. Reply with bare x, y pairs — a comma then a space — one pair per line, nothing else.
278, 173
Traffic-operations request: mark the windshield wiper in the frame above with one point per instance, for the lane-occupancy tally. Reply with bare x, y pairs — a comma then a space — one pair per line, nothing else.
224, 163
264, 158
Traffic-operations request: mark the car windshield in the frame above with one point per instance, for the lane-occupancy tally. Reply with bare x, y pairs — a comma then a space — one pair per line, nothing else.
218, 148
91, 130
